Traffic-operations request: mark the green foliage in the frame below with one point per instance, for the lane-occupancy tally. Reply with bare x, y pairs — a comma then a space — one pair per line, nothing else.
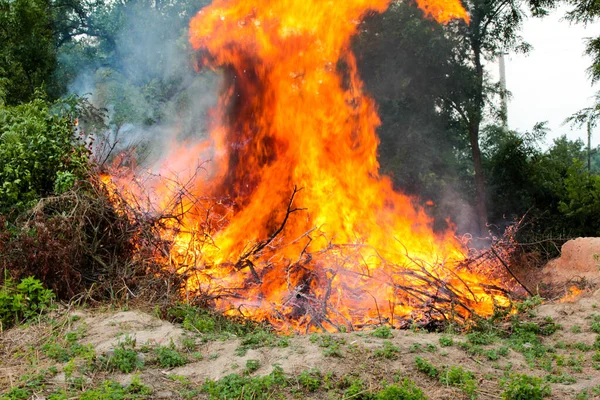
115, 391
446, 341
27, 52
524, 387
388, 351
169, 357
123, 358
383, 332
406, 390
24, 301
459, 377
310, 379
38, 154
426, 367
251, 366
241, 387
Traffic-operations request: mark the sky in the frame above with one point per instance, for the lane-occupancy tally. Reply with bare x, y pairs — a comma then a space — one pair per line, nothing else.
551, 82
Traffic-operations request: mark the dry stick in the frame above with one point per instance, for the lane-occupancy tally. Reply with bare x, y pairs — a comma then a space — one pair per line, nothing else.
510, 272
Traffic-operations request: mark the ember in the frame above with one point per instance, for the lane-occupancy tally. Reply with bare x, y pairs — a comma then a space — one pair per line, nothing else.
293, 223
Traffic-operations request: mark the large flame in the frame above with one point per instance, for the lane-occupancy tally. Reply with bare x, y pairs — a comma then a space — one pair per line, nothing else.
295, 224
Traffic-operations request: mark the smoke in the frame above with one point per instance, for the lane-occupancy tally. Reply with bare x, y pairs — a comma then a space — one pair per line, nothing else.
402, 58
142, 75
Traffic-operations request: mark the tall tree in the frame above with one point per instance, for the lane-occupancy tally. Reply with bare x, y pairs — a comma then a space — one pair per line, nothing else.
493, 29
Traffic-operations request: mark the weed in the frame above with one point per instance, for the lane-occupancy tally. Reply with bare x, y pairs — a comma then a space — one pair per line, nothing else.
582, 347
430, 347
310, 379
426, 367
524, 387
260, 338
446, 341
459, 377
415, 348
113, 390
251, 366
388, 351
406, 390
565, 379
24, 301
240, 387
123, 358
576, 329
481, 338
357, 390
169, 357
383, 332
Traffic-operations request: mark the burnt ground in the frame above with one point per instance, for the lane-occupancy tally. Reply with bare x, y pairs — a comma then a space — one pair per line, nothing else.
68, 355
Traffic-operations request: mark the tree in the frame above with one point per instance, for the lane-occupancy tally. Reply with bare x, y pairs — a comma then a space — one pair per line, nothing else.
493, 29
27, 53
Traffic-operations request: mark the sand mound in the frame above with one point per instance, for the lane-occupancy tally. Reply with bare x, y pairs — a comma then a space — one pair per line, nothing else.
578, 260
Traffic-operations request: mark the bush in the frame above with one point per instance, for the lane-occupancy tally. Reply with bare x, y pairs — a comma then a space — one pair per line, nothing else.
24, 301
39, 153
85, 237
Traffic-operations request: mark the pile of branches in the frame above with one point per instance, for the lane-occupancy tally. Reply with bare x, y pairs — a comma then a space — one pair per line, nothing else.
88, 242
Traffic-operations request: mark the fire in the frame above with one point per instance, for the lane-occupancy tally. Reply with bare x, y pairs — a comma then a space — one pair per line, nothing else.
293, 223
571, 295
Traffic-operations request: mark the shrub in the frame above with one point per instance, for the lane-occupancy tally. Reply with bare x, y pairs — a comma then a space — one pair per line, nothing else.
38, 149
24, 301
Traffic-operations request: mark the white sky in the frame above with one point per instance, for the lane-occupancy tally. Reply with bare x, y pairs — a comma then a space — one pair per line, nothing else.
551, 82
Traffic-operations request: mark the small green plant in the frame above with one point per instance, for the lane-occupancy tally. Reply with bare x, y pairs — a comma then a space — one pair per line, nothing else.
310, 379
123, 358
524, 387
426, 367
383, 332
576, 329
565, 379
406, 390
459, 377
240, 387
446, 341
388, 350
481, 338
169, 357
251, 366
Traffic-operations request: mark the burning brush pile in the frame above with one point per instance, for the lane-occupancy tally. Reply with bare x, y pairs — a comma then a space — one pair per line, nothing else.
290, 220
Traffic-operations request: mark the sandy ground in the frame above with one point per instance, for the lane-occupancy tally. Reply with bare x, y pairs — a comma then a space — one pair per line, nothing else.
20, 347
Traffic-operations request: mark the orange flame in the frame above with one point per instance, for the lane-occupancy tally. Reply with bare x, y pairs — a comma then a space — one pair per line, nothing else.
344, 249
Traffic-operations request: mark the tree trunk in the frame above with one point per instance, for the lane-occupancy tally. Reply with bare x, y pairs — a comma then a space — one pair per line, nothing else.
480, 200
474, 126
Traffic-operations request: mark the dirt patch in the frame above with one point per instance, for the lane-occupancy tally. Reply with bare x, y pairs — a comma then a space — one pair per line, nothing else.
104, 331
